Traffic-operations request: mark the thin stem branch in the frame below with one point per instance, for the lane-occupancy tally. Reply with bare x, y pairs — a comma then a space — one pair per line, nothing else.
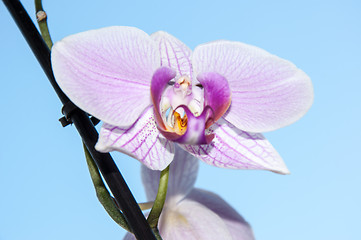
41, 17
102, 193
157, 208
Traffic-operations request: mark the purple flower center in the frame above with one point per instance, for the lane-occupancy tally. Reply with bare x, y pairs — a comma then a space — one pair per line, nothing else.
183, 112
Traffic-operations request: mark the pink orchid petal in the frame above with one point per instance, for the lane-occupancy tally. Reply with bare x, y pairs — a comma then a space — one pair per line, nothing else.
174, 53
267, 92
142, 141
107, 72
192, 221
236, 224
217, 93
182, 176
234, 148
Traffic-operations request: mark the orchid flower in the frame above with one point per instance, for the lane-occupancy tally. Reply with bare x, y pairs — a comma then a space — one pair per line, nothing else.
191, 213
153, 92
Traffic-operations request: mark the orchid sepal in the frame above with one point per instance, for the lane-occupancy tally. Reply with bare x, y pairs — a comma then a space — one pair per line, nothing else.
141, 140
237, 149
99, 71
268, 92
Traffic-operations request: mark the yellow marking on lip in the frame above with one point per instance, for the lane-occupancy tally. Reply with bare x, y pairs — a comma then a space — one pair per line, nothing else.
180, 124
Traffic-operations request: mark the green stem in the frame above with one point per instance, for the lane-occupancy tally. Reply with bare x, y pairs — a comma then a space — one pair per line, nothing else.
41, 17
157, 234
154, 214
103, 194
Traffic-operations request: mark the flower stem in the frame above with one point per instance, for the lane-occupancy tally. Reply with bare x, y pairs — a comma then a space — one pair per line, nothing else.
154, 214
103, 194
41, 17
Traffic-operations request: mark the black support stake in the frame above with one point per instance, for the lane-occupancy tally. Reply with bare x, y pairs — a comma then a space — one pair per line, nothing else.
88, 133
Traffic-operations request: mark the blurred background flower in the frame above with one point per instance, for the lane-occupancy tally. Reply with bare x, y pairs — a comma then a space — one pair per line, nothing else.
192, 213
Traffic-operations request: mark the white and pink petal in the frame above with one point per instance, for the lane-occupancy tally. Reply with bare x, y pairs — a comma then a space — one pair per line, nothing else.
174, 53
192, 221
142, 140
237, 226
237, 149
107, 72
267, 92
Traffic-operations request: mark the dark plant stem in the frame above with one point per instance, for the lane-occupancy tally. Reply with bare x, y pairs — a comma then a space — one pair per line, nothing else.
89, 135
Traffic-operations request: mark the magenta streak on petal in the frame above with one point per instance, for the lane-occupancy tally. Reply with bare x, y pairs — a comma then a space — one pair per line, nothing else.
96, 60
141, 140
217, 93
146, 154
257, 144
189, 64
102, 73
249, 149
126, 130
234, 160
233, 149
140, 145
168, 58
166, 51
174, 53
178, 63
135, 136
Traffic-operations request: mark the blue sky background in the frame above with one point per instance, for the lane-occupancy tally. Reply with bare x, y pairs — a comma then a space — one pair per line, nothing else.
45, 189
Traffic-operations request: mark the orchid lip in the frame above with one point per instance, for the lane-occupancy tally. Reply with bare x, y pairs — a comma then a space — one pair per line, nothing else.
196, 126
